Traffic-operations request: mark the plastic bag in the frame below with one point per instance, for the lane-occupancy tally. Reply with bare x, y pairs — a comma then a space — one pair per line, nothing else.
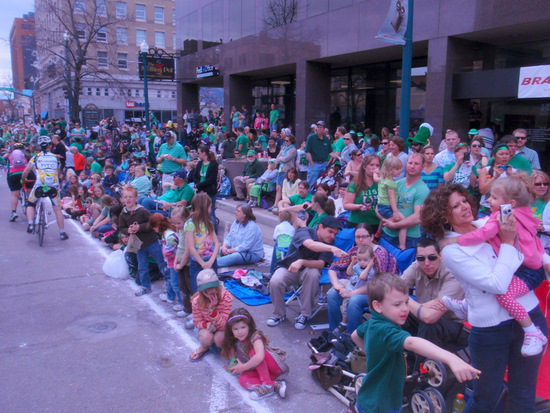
115, 265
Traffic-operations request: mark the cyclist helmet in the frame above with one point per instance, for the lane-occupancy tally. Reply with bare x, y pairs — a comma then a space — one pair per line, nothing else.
19, 145
44, 141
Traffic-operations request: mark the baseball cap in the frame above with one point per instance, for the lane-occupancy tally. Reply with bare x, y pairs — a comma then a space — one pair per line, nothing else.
182, 174
472, 132
331, 222
321, 122
271, 161
312, 126
207, 279
251, 152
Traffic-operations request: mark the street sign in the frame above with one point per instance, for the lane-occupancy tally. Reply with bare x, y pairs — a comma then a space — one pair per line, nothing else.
7, 89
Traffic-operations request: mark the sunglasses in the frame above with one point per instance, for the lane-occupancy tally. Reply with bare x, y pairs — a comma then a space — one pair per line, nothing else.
476, 146
542, 184
521, 137
421, 258
347, 139
385, 143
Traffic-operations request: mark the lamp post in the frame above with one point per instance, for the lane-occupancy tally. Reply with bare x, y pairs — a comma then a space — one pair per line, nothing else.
144, 47
67, 38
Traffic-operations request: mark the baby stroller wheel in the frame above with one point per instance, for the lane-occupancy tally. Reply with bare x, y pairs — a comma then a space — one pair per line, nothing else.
438, 371
421, 402
437, 399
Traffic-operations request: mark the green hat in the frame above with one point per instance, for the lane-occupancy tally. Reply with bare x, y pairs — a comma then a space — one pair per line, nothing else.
360, 134
207, 279
472, 132
424, 132
251, 152
224, 128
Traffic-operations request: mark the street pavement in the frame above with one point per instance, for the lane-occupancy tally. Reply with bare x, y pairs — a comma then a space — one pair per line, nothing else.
76, 340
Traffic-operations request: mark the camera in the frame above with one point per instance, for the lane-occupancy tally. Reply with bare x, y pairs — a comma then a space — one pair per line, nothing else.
505, 212
466, 156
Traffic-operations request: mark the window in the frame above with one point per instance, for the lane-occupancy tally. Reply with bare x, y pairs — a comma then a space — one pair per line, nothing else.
140, 12
122, 35
79, 6
173, 16
120, 10
102, 59
102, 34
80, 30
97, 91
136, 93
173, 94
105, 92
140, 36
159, 14
159, 95
89, 91
159, 39
101, 8
122, 60
174, 45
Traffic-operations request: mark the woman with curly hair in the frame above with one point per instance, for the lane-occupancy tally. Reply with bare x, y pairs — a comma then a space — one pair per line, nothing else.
496, 338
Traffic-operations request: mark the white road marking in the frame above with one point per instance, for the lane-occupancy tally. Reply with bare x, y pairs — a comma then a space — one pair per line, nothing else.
218, 397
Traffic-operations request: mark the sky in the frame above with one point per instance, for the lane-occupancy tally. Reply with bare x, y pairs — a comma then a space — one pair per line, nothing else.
10, 10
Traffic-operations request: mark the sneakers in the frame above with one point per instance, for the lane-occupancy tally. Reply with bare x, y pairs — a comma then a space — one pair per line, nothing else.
262, 392
13, 216
300, 322
188, 323
280, 388
63, 236
275, 210
459, 307
178, 307
164, 297
274, 321
142, 291
30, 229
533, 343
252, 203
342, 328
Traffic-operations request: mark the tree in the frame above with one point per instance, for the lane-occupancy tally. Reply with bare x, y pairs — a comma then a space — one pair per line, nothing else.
280, 13
66, 31
12, 102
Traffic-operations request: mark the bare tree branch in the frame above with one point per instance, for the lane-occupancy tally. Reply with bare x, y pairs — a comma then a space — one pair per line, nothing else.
280, 13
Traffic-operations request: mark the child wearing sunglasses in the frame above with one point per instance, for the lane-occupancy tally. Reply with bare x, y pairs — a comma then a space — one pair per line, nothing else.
513, 191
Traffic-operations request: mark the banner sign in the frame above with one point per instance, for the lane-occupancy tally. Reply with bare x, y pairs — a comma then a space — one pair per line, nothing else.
158, 68
394, 27
534, 82
207, 71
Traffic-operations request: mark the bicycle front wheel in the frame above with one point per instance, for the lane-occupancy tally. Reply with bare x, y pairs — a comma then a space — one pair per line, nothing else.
23, 200
41, 224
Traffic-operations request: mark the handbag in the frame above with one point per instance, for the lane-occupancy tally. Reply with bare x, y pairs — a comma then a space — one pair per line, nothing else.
134, 243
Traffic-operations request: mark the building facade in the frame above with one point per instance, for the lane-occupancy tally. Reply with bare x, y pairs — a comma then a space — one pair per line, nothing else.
101, 39
322, 60
23, 52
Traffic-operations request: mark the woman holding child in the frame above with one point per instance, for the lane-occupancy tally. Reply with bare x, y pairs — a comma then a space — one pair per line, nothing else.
496, 338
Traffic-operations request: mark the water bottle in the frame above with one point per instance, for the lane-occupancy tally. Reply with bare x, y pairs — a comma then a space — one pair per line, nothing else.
459, 404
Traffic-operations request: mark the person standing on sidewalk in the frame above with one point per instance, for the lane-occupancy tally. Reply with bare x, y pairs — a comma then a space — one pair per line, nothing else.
318, 149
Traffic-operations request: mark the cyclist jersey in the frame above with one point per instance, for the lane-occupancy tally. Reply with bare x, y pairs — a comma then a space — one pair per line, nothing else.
45, 165
17, 161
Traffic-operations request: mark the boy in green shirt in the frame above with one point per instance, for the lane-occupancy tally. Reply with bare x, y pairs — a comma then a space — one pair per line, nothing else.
385, 341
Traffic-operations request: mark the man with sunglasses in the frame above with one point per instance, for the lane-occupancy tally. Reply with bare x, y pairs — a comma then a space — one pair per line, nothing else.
517, 162
522, 150
428, 317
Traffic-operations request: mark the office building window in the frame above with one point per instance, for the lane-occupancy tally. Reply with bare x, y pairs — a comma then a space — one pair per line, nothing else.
123, 60
159, 39
159, 94
81, 30
97, 91
79, 6
140, 12
136, 93
122, 35
173, 16
120, 9
101, 8
102, 35
102, 59
173, 94
105, 92
141, 35
159, 14
89, 91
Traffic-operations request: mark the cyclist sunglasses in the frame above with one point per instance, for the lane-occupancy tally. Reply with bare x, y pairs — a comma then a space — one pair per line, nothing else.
421, 258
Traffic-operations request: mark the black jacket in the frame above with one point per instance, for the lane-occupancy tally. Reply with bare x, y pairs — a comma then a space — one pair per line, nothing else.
210, 183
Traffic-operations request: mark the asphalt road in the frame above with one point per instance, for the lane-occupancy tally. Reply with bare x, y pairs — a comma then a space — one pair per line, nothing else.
74, 340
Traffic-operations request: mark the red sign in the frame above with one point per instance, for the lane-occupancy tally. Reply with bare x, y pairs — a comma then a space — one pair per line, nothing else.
130, 103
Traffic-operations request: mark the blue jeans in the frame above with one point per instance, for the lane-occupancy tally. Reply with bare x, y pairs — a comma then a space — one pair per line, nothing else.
237, 258
315, 172
194, 269
492, 349
151, 205
213, 213
355, 310
173, 286
155, 251
411, 241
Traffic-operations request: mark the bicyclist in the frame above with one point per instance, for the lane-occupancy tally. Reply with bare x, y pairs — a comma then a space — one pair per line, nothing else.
17, 162
45, 164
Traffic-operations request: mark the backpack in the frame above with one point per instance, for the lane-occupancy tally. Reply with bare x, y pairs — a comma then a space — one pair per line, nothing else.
18, 158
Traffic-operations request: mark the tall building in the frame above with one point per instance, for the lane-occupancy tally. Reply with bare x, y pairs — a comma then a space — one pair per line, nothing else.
321, 60
101, 40
23, 52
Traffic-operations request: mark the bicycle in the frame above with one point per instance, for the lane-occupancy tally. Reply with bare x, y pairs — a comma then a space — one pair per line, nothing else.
41, 220
24, 196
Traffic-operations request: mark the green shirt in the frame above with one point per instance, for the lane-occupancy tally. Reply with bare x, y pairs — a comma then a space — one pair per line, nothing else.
339, 145
262, 140
254, 169
318, 148
369, 197
244, 141
409, 197
296, 199
316, 220
185, 192
176, 151
273, 115
383, 186
96, 167
537, 208
521, 164
382, 388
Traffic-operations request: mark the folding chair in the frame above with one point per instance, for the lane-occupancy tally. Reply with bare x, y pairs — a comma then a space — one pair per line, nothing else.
267, 192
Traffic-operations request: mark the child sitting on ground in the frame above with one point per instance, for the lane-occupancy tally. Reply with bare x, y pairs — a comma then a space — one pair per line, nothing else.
511, 190
385, 341
211, 307
387, 195
261, 368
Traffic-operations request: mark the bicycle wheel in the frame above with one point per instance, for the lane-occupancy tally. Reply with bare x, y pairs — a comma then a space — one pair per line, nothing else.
41, 224
23, 200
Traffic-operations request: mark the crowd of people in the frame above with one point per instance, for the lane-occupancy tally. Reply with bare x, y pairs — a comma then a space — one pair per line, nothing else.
474, 209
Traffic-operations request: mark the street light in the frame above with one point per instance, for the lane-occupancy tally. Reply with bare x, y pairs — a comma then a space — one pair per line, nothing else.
144, 50
67, 38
